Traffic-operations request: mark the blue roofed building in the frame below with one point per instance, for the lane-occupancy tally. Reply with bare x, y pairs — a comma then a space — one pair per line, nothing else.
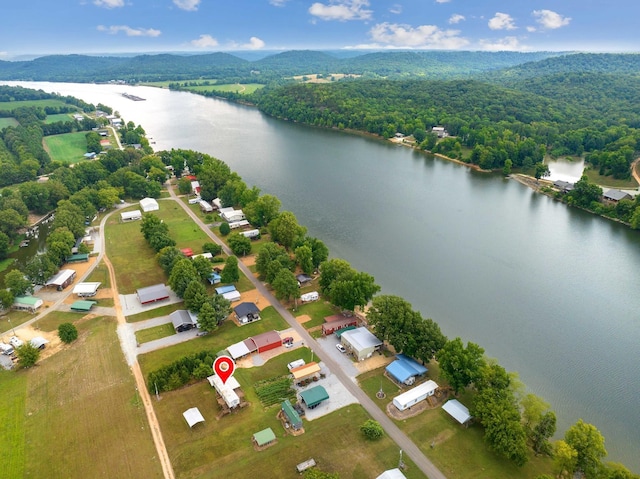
405, 370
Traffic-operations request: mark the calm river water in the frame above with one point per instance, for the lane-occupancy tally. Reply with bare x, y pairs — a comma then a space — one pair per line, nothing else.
550, 291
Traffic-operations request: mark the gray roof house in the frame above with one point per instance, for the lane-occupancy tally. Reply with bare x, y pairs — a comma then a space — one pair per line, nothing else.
183, 320
614, 195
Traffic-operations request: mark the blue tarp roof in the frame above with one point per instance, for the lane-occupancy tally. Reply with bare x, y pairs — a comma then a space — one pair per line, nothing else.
405, 367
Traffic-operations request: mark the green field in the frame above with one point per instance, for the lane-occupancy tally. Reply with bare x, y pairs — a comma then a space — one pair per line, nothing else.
156, 332
222, 447
5, 122
155, 313
76, 414
67, 148
245, 88
58, 117
317, 311
610, 181
11, 105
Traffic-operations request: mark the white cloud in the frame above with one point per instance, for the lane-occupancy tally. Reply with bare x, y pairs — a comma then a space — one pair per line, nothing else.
503, 44
109, 3
550, 20
396, 9
130, 32
254, 44
188, 5
531, 29
443, 1
205, 41
4, 54
502, 21
423, 36
341, 10
278, 3
456, 18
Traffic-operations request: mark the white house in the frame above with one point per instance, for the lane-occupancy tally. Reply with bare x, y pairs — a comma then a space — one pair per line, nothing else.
230, 214
131, 215
149, 204
415, 395
205, 207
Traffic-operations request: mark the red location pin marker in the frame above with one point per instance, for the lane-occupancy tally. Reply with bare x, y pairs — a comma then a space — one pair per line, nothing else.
224, 367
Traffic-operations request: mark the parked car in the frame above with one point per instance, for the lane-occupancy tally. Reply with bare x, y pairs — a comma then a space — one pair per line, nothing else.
287, 342
296, 364
341, 348
6, 349
15, 341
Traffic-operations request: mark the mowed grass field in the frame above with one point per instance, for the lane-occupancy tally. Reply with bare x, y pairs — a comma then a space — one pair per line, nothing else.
76, 413
5, 122
58, 117
222, 448
244, 88
125, 242
11, 105
459, 452
67, 148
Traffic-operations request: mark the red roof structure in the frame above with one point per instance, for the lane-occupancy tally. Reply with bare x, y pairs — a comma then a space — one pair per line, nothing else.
188, 252
263, 342
332, 327
336, 317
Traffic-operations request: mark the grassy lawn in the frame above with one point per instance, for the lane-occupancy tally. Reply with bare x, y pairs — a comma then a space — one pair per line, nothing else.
184, 231
226, 335
157, 332
245, 88
5, 122
317, 311
58, 117
155, 313
15, 317
609, 181
77, 401
5, 263
12, 105
100, 274
459, 452
67, 148
54, 319
223, 448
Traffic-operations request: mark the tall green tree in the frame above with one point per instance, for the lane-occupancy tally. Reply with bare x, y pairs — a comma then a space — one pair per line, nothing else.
182, 274
195, 296
285, 285
27, 355
230, 273
239, 244
167, 257
285, 229
304, 258
67, 333
589, 444
4, 245
460, 365
17, 283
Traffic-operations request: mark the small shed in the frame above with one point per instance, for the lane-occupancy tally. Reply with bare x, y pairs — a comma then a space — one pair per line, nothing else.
392, 474
77, 258
193, 416
291, 415
225, 289
251, 234
149, 204
38, 342
305, 371
86, 290
264, 437
342, 324
27, 303
405, 370
361, 342
232, 296
131, 215
183, 320
457, 410
188, 252
83, 306
238, 224
303, 279
61, 279
314, 396
214, 278
415, 395
247, 313
151, 294
264, 342
303, 466
208, 256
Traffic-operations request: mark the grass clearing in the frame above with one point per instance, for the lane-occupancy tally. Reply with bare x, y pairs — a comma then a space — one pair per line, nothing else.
67, 148
53, 319
5, 122
610, 181
155, 313
223, 448
317, 311
12, 105
14, 318
459, 452
156, 332
101, 275
242, 88
79, 401
5, 263
58, 117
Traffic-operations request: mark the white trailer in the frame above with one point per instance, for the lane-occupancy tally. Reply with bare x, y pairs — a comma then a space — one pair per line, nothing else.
415, 395
311, 296
232, 296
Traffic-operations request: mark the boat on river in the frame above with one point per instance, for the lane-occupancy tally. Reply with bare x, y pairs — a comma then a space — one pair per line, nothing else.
133, 97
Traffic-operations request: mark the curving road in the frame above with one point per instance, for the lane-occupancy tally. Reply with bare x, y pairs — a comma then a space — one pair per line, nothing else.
401, 439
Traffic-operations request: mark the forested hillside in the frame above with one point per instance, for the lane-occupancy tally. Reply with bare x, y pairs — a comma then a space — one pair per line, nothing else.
496, 123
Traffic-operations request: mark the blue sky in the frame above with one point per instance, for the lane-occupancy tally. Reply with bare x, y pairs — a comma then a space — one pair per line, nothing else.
118, 26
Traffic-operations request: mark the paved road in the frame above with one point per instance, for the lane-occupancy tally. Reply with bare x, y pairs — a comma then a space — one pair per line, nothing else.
401, 439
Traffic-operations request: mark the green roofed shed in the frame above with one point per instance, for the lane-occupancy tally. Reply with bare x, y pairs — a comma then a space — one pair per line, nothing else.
83, 306
314, 396
77, 258
291, 414
264, 437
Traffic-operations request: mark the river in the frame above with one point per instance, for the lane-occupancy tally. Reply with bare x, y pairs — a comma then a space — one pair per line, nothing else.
550, 291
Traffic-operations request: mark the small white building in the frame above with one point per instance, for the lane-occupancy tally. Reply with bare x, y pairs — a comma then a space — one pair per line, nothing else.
149, 204
226, 390
415, 395
131, 215
230, 214
251, 234
205, 207
311, 296
86, 290
232, 296
238, 224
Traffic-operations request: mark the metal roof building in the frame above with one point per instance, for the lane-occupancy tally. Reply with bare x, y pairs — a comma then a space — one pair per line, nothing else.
457, 410
361, 342
415, 395
27, 303
83, 306
86, 289
193, 416
264, 342
131, 215
405, 369
291, 414
183, 320
61, 279
151, 294
149, 204
264, 437
314, 396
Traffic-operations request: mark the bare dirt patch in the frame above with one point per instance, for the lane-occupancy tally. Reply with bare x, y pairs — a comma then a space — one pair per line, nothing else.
27, 333
248, 260
374, 362
303, 318
254, 296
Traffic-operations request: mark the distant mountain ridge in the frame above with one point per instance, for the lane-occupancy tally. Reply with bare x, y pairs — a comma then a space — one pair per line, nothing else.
165, 66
